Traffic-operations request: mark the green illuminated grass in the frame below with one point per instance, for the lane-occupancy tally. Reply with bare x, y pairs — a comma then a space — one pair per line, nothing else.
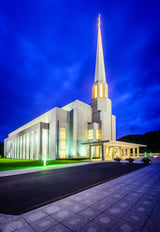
11, 164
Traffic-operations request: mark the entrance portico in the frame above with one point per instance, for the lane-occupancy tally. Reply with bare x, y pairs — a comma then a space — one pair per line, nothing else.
108, 150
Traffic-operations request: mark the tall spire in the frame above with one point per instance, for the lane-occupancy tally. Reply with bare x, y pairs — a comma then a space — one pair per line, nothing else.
100, 75
100, 87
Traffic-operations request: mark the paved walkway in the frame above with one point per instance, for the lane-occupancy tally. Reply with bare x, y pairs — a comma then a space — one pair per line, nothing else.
130, 203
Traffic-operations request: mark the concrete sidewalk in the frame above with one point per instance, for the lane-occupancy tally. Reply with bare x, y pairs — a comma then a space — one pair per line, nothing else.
128, 203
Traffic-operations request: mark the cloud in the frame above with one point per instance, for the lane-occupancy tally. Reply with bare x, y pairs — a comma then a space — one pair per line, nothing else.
48, 52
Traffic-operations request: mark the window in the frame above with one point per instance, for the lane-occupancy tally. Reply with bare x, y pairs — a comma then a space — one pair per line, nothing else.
97, 151
95, 91
106, 92
44, 142
98, 137
90, 135
101, 90
62, 143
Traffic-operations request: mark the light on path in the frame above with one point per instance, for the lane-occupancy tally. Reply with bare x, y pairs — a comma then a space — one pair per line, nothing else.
44, 161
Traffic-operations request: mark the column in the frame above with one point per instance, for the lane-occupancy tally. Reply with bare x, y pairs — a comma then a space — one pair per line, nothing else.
24, 147
113, 154
40, 142
90, 152
13, 147
138, 152
123, 152
103, 152
34, 145
27, 146
31, 145
133, 152
106, 152
21, 149
18, 146
128, 152
120, 152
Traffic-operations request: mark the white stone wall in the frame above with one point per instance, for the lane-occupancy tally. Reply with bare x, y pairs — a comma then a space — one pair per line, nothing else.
113, 127
102, 114
59, 119
26, 144
79, 116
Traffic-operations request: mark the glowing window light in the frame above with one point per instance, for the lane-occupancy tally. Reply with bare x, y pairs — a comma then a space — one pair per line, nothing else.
106, 94
101, 90
97, 151
62, 143
44, 142
90, 135
95, 91
97, 135
44, 161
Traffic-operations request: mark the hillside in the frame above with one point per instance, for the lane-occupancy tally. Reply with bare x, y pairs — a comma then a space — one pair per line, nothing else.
1, 149
151, 139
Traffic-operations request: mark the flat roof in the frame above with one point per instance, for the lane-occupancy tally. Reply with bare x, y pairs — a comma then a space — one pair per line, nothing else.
114, 143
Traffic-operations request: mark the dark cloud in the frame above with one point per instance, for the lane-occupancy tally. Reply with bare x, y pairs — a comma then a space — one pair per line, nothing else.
48, 52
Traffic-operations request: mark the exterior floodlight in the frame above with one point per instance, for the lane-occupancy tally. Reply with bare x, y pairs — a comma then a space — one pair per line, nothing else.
44, 161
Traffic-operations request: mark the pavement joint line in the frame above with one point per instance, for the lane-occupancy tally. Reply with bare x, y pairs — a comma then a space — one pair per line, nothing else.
27, 223
152, 173
71, 194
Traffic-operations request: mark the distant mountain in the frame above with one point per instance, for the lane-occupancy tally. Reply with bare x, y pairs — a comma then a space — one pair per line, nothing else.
151, 139
1, 148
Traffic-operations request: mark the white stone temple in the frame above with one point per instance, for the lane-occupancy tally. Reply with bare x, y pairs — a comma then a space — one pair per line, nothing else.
75, 130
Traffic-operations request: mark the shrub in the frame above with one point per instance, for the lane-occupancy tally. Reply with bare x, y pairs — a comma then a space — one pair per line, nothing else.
117, 159
146, 160
130, 160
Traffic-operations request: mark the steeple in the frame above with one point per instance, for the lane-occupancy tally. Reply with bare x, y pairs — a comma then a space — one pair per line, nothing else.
100, 87
100, 69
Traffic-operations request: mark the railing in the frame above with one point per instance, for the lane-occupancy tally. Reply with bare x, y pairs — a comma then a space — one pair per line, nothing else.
145, 154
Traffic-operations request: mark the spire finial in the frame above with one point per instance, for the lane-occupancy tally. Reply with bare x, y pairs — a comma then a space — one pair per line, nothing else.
99, 20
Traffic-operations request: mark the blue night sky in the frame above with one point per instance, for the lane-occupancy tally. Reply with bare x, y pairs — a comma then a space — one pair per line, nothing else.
48, 54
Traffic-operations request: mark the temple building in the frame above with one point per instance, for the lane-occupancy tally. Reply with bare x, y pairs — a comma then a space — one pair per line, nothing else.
75, 130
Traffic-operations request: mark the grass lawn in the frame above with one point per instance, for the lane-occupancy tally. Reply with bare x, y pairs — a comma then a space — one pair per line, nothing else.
11, 164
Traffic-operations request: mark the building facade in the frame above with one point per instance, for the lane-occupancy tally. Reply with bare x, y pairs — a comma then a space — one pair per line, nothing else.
75, 130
